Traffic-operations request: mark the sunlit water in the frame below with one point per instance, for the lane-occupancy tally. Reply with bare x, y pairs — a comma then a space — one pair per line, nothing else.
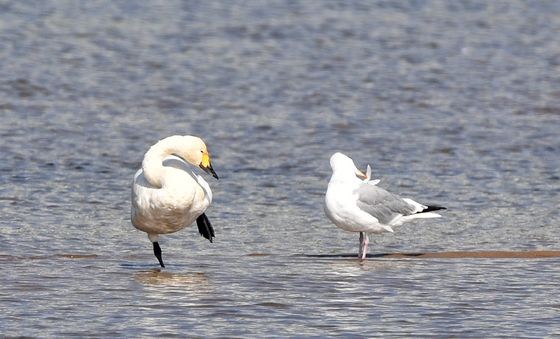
455, 103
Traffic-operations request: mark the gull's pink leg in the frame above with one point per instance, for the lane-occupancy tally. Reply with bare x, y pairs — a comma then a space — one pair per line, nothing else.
360, 248
364, 241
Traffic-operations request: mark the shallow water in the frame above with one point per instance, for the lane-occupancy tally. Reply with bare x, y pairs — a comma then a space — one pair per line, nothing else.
455, 103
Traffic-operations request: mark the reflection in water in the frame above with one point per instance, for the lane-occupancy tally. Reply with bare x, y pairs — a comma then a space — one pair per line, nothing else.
355, 267
184, 288
197, 281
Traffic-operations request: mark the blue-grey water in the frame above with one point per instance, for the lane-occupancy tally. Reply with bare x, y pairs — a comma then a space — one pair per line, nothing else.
451, 102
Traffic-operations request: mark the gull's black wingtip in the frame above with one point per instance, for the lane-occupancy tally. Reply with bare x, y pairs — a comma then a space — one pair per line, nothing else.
204, 227
433, 208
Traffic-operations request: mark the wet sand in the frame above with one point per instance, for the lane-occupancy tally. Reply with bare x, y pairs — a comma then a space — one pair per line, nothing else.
477, 254
457, 255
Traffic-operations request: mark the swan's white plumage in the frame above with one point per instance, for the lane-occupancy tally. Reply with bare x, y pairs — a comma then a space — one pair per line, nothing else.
166, 195
175, 205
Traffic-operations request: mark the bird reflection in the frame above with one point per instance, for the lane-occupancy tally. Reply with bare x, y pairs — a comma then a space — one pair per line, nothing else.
196, 280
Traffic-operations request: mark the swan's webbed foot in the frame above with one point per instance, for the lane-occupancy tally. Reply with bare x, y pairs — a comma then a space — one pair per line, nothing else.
157, 253
204, 227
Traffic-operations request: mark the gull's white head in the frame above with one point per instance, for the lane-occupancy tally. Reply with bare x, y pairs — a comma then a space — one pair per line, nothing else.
341, 163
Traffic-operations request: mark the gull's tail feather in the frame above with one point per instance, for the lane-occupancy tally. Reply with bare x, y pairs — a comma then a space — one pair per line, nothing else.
431, 208
427, 212
419, 208
388, 228
421, 211
204, 227
420, 215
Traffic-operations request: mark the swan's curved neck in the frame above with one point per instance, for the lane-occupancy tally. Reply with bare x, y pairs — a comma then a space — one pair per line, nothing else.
152, 165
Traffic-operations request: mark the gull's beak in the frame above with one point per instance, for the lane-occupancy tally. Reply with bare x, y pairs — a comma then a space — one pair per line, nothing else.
206, 166
360, 174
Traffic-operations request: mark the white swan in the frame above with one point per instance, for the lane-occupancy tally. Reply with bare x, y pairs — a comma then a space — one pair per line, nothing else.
166, 195
359, 206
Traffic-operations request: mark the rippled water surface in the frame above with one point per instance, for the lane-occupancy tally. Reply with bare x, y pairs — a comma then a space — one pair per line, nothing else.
452, 102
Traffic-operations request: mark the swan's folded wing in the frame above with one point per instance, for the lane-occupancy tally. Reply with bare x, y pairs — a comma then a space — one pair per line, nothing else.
381, 204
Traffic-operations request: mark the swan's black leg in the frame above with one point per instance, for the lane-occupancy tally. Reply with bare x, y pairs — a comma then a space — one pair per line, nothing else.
204, 227
157, 252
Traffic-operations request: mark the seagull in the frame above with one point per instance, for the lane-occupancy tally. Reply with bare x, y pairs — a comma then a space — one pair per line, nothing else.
356, 204
166, 195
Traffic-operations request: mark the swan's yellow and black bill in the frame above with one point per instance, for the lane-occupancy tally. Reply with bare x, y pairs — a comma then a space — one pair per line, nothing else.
206, 166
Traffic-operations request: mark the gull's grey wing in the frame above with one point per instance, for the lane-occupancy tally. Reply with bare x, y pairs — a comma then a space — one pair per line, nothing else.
383, 205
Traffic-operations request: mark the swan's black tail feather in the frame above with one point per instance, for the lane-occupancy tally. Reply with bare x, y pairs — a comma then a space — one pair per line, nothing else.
204, 227
433, 208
